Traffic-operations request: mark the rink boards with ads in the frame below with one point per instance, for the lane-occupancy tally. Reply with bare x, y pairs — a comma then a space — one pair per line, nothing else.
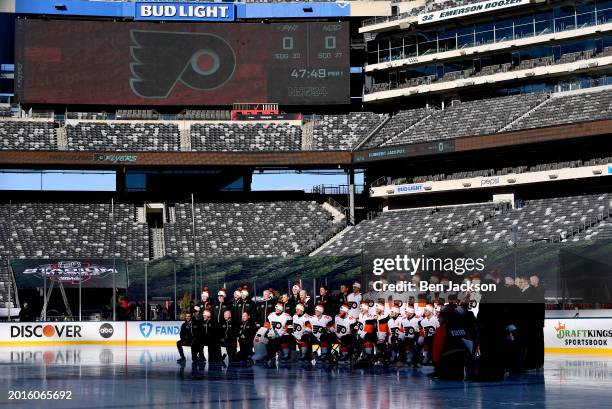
577, 335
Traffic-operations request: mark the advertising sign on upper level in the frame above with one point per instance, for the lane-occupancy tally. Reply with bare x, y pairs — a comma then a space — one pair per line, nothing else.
469, 9
184, 11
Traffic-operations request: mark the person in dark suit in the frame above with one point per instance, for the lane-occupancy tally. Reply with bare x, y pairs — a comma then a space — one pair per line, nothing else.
265, 307
342, 297
228, 332
237, 306
220, 306
327, 301
510, 295
246, 336
246, 305
537, 308
309, 305
294, 299
210, 337
188, 335
492, 331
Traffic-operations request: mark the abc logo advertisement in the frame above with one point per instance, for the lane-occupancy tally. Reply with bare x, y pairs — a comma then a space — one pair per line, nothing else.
60, 332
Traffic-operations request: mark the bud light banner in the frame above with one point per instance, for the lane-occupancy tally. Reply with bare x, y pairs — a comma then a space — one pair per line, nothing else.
185, 11
89, 273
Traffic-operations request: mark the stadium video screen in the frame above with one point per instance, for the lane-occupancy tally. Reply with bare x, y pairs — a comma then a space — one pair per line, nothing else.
133, 63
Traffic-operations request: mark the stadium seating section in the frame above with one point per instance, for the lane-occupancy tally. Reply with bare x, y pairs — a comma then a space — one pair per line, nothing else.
202, 115
568, 109
411, 227
344, 132
246, 137
329, 132
284, 229
43, 230
27, 135
564, 218
137, 114
269, 229
399, 123
123, 136
479, 117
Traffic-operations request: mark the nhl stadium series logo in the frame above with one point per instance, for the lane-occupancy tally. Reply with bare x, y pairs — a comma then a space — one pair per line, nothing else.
70, 272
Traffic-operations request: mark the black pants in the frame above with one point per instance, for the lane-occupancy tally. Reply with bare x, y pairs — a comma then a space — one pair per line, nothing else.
534, 348
246, 349
492, 360
230, 348
192, 345
276, 344
214, 351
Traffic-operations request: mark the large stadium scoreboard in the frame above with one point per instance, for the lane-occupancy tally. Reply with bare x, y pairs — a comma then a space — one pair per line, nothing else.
143, 63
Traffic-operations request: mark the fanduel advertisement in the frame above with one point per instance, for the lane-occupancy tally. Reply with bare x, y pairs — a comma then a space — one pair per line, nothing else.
89, 273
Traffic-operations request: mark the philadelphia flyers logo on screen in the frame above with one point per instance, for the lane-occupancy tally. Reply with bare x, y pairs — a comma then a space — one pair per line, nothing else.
162, 59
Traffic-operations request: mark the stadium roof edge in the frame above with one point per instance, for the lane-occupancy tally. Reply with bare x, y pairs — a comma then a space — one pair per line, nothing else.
129, 9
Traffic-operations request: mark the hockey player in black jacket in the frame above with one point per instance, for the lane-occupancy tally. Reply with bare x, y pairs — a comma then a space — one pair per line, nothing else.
246, 335
210, 337
265, 307
220, 306
229, 336
188, 334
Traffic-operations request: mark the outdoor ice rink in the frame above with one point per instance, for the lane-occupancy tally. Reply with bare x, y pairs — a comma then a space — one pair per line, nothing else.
146, 377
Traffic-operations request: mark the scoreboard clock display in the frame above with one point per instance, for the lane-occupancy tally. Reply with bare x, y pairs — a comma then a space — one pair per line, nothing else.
142, 63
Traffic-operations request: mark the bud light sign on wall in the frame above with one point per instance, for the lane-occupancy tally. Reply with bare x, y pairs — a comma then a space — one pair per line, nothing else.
185, 11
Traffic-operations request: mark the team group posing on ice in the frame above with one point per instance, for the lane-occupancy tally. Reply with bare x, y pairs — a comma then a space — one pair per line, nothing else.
348, 327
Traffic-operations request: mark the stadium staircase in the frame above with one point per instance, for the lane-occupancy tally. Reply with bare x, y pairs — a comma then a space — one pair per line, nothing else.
417, 123
307, 135
7, 287
62, 138
509, 125
340, 214
157, 244
330, 241
185, 135
371, 134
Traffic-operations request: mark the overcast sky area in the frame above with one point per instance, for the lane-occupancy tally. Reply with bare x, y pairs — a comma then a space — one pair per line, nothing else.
99, 181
